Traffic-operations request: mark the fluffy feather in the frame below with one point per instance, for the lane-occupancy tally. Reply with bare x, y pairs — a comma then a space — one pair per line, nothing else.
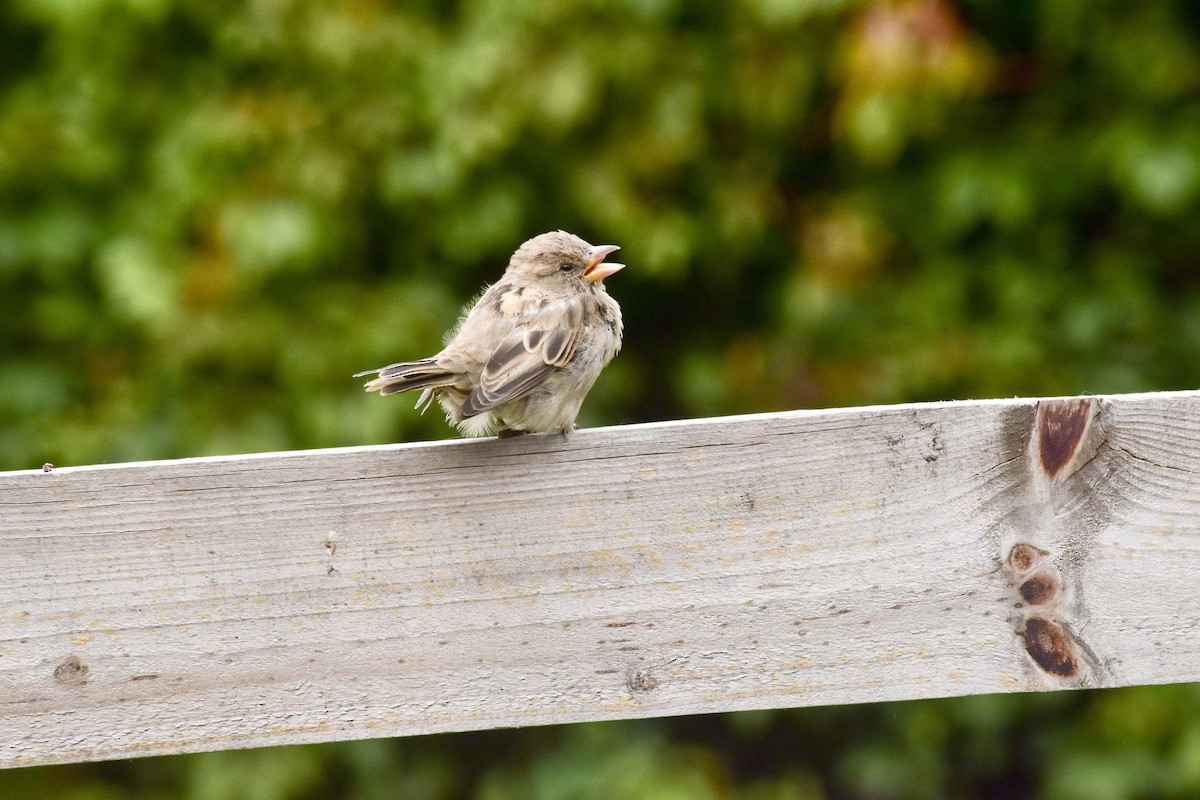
527, 351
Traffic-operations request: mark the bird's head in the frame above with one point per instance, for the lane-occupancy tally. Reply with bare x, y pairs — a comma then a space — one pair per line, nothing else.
564, 259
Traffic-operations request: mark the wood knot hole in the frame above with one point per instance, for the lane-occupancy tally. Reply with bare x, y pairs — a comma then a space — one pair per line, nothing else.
1049, 644
72, 671
1062, 424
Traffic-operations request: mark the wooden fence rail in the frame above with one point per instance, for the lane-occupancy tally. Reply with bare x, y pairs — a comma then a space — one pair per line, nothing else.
766, 561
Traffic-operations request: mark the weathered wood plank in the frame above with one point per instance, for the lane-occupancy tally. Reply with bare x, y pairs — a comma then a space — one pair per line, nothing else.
750, 562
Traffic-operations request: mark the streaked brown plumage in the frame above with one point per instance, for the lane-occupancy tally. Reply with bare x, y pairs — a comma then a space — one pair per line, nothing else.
526, 353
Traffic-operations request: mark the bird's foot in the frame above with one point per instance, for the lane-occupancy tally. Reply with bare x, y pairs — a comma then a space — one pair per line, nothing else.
508, 433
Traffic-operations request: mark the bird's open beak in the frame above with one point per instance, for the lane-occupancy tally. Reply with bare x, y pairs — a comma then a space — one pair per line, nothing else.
595, 269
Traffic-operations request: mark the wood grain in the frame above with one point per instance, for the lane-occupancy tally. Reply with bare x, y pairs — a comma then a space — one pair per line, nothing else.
763, 561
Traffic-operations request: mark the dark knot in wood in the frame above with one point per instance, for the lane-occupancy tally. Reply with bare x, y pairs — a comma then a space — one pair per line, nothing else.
1063, 423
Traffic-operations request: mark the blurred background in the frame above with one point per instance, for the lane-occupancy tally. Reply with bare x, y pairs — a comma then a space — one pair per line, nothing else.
213, 212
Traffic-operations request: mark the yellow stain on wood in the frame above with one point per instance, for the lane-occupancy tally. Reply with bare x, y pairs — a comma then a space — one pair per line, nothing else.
1009, 681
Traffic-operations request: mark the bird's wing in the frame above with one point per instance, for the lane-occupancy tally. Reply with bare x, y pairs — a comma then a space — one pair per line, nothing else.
541, 343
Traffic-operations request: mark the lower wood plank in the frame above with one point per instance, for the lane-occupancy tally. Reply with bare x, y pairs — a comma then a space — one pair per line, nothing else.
750, 562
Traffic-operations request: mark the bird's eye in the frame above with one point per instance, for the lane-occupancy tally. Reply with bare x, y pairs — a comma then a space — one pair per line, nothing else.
566, 267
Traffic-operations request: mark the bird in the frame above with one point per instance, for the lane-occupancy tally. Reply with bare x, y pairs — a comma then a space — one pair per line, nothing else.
526, 352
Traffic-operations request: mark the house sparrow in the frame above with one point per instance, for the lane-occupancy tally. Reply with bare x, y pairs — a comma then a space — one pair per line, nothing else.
526, 353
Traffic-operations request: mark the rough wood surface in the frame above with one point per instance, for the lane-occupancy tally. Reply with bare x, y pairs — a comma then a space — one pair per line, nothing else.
750, 562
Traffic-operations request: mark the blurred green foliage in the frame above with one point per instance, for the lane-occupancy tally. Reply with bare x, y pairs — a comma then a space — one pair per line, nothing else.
213, 212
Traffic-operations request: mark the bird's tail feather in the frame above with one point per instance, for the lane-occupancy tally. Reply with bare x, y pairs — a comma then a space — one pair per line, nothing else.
408, 376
